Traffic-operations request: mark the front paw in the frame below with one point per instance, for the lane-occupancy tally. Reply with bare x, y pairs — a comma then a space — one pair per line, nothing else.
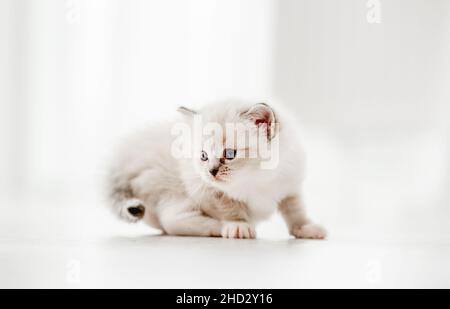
238, 229
310, 230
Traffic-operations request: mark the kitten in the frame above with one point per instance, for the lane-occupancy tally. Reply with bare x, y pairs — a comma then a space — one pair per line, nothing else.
220, 186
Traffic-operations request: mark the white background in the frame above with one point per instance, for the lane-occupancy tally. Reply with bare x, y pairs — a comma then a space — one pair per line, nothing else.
372, 99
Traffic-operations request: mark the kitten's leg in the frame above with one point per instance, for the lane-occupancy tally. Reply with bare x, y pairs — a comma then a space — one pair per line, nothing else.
234, 216
132, 209
124, 203
178, 219
238, 229
298, 223
194, 223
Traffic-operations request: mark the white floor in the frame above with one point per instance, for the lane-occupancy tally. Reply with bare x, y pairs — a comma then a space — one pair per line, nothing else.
76, 246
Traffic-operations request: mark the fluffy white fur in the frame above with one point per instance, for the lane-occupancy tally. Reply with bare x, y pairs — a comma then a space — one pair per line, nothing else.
182, 197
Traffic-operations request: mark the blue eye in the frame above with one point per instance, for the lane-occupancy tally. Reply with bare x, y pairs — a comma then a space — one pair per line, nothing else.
204, 156
229, 153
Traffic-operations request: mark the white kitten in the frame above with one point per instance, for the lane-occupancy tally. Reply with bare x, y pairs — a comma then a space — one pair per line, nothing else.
225, 186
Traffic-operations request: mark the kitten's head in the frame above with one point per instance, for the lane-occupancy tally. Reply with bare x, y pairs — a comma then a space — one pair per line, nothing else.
231, 141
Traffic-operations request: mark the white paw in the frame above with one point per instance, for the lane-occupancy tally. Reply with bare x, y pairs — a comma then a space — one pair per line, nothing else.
237, 229
133, 210
310, 230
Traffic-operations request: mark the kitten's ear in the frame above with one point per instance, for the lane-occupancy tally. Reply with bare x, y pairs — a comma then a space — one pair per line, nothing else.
261, 114
186, 111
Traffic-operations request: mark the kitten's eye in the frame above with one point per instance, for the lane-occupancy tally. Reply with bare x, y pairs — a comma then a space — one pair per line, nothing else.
229, 153
204, 156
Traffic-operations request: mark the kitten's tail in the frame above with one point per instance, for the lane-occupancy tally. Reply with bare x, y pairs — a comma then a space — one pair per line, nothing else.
124, 202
